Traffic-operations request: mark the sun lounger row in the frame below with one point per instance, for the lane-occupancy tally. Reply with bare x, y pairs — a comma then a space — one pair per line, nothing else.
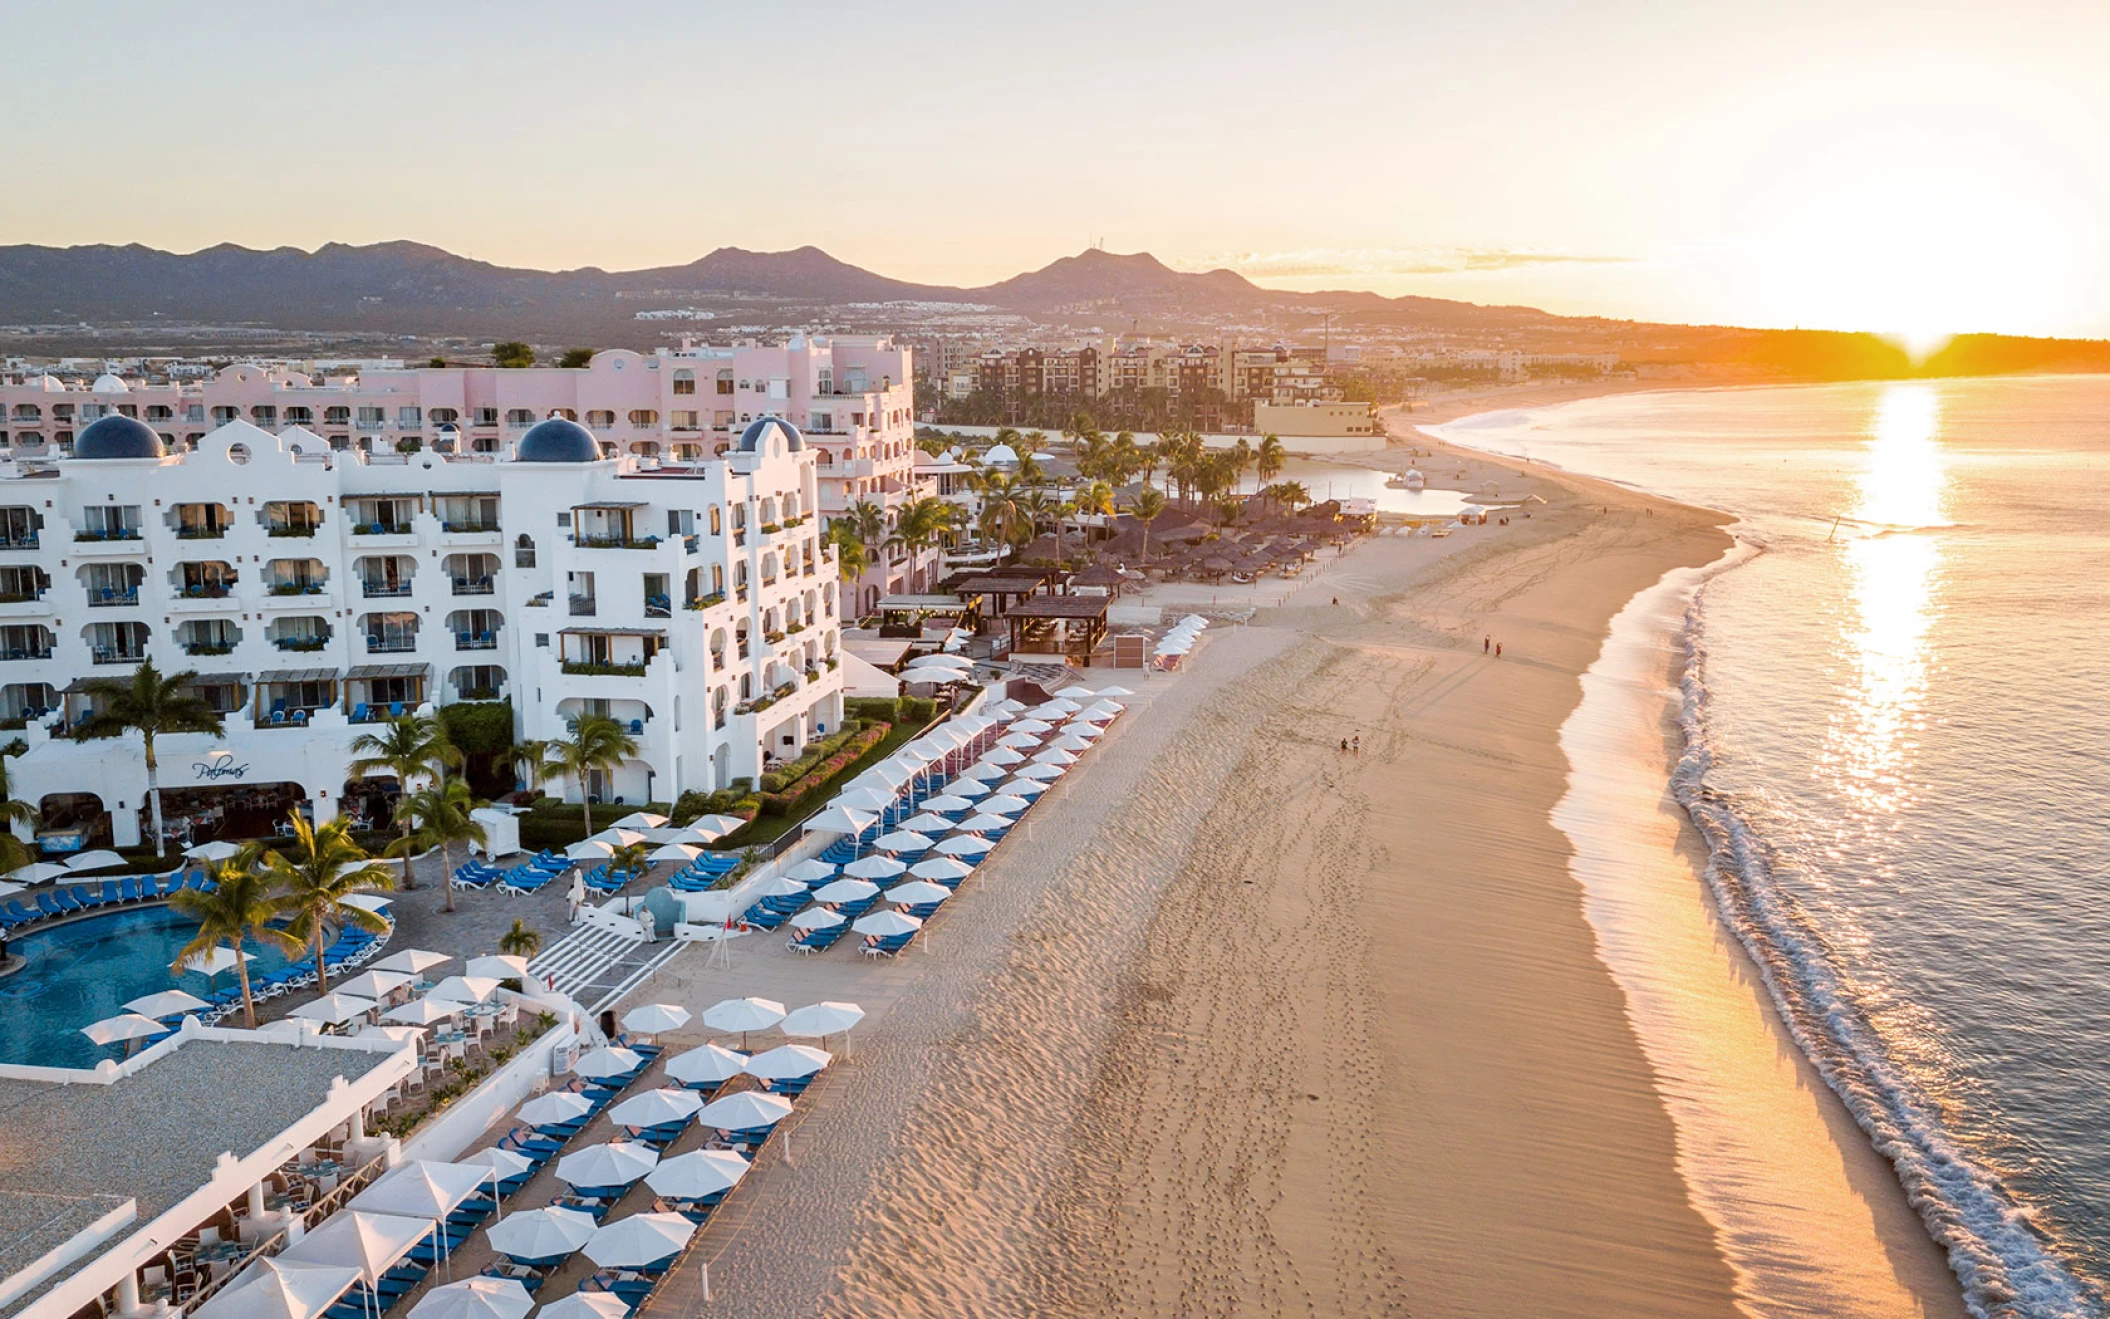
73, 899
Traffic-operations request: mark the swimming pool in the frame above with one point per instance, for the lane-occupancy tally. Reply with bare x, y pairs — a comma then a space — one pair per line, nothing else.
86, 970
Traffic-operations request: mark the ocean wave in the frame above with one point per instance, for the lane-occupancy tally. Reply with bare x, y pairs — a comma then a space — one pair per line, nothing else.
2007, 1270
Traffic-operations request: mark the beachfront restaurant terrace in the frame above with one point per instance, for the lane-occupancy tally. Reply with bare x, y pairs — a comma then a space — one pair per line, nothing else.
1071, 626
153, 1180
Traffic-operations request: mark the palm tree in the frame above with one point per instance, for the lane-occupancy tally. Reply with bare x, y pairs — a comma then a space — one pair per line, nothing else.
443, 813
1268, 459
152, 706
520, 941
237, 908
325, 866
631, 857
1148, 503
851, 558
13, 853
1004, 517
411, 746
597, 744
868, 521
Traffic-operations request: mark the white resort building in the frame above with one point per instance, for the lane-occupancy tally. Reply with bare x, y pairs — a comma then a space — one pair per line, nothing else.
318, 584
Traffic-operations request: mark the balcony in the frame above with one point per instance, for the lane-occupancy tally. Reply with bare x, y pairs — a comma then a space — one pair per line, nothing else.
27, 653
390, 645
596, 669
209, 648
705, 602
616, 542
467, 528
297, 588
301, 644
477, 586
290, 532
22, 542
201, 533
208, 591
384, 590
111, 598
381, 529
106, 655
476, 641
582, 606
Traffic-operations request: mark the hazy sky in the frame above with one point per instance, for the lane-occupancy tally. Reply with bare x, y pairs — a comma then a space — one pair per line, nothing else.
1913, 167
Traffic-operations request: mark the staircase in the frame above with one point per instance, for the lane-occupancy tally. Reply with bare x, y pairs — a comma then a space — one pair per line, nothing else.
596, 965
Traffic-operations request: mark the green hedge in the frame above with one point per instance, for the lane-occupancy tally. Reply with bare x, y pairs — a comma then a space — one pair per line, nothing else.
825, 772
782, 777
554, 824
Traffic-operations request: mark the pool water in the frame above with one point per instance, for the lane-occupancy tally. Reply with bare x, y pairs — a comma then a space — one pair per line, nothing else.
86, 970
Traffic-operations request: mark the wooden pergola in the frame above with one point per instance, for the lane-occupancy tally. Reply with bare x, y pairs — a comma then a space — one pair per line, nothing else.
1067, 625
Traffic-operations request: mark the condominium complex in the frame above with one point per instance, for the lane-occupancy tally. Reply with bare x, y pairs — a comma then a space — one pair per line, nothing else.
666, 570
1209, 385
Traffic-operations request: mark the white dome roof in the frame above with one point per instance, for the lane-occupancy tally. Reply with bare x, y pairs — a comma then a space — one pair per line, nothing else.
1002, 453
51, 384
106, 383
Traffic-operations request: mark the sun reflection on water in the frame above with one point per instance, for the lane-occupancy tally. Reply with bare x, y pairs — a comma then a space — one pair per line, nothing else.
1896, 570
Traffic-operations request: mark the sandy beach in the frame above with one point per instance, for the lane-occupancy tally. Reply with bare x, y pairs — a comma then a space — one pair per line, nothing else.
1241, 1024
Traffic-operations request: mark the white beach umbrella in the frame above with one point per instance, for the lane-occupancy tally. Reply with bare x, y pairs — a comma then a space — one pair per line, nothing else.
817, 1020
969, 789
372, 902
847, 890
475, 1298
598, 1064
655, 1108
8, 888
640, 1239
788, 1062
280, 1289
38, 872
917, 892
1055, 756
1115, 691
925, 663
95, 860
917, 756
612, 1163
947, 803
888, 772
743, 1014
840, 820
710, 1064
941, 867
902, 840
393, 1034
717, 826
1027, 788
412, 961
1079, 727
219, 849
927, 822
698, 1173
1071, 743
983, 772
1100, 711
656, 1018
423, 1188
590, 849
783, 886
1004, 804
640, 820
465, 989
123, 1026
496, 966
1044, 770
1176, 646
1057, 706
682, 852
867, 799
166, 1003
555, 1108
377, 984
1033, 726
1004, 756
1018, 741
1194, 620
215, 960
816, 918
965, 845
871, 867
887, 923
550, 1232
1076, 692
504, 1164
618, 837
585, 1305
982, 824
810, 872
334, 1008
745, 1111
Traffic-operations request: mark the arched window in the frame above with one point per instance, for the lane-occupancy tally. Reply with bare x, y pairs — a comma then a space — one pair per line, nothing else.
684, 381
524, 551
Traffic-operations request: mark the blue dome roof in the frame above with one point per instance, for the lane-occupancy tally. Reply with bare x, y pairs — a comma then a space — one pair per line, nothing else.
751, 438
117, 436
557, 441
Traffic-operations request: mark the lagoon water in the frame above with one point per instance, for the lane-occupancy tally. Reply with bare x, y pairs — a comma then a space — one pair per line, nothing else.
1895, 724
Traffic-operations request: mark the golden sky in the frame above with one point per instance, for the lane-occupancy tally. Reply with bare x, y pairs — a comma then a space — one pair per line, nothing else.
1912, 168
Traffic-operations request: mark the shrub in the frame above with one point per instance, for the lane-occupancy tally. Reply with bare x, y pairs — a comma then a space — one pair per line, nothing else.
785, 775
852, 749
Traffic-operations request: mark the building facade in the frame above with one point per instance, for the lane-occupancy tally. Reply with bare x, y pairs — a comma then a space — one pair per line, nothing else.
317, 588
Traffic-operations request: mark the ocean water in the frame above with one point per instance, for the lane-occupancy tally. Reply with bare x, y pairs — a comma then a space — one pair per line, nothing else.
1896, 721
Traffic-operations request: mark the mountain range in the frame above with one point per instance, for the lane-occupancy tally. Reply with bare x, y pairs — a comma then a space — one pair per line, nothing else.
406, 287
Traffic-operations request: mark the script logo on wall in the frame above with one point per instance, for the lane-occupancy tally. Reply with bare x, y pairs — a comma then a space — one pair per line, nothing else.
219, 765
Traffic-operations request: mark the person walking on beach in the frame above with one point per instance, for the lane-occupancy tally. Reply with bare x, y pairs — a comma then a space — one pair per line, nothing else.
1359, 744
1498, 650
1485, 643
1344, 745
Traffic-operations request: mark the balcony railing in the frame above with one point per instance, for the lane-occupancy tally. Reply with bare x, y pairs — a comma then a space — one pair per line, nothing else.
465, 528
208, 590
25, 653
107, 655
291, 532
594, 668
28, 542
705, 602
380, 529
201, 533
476, 641
296, 588
209, 648
477, 586
111, 598
582, 606
384, 590
301, 643
616, 542
106, 534
390, 645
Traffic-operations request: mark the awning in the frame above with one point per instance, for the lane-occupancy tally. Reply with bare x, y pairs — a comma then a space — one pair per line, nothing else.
364, 672
940, 603
79, 686
1061, 606
412, 494
612, 632
613, 504
219, 680
298, 675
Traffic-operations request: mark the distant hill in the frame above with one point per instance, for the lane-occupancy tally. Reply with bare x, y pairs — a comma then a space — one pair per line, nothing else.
415, 288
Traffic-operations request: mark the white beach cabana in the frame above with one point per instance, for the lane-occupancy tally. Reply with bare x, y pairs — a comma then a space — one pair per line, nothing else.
424, 1011
423, 1188
368, 1243
280, 1288
464, 989
475, 1298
